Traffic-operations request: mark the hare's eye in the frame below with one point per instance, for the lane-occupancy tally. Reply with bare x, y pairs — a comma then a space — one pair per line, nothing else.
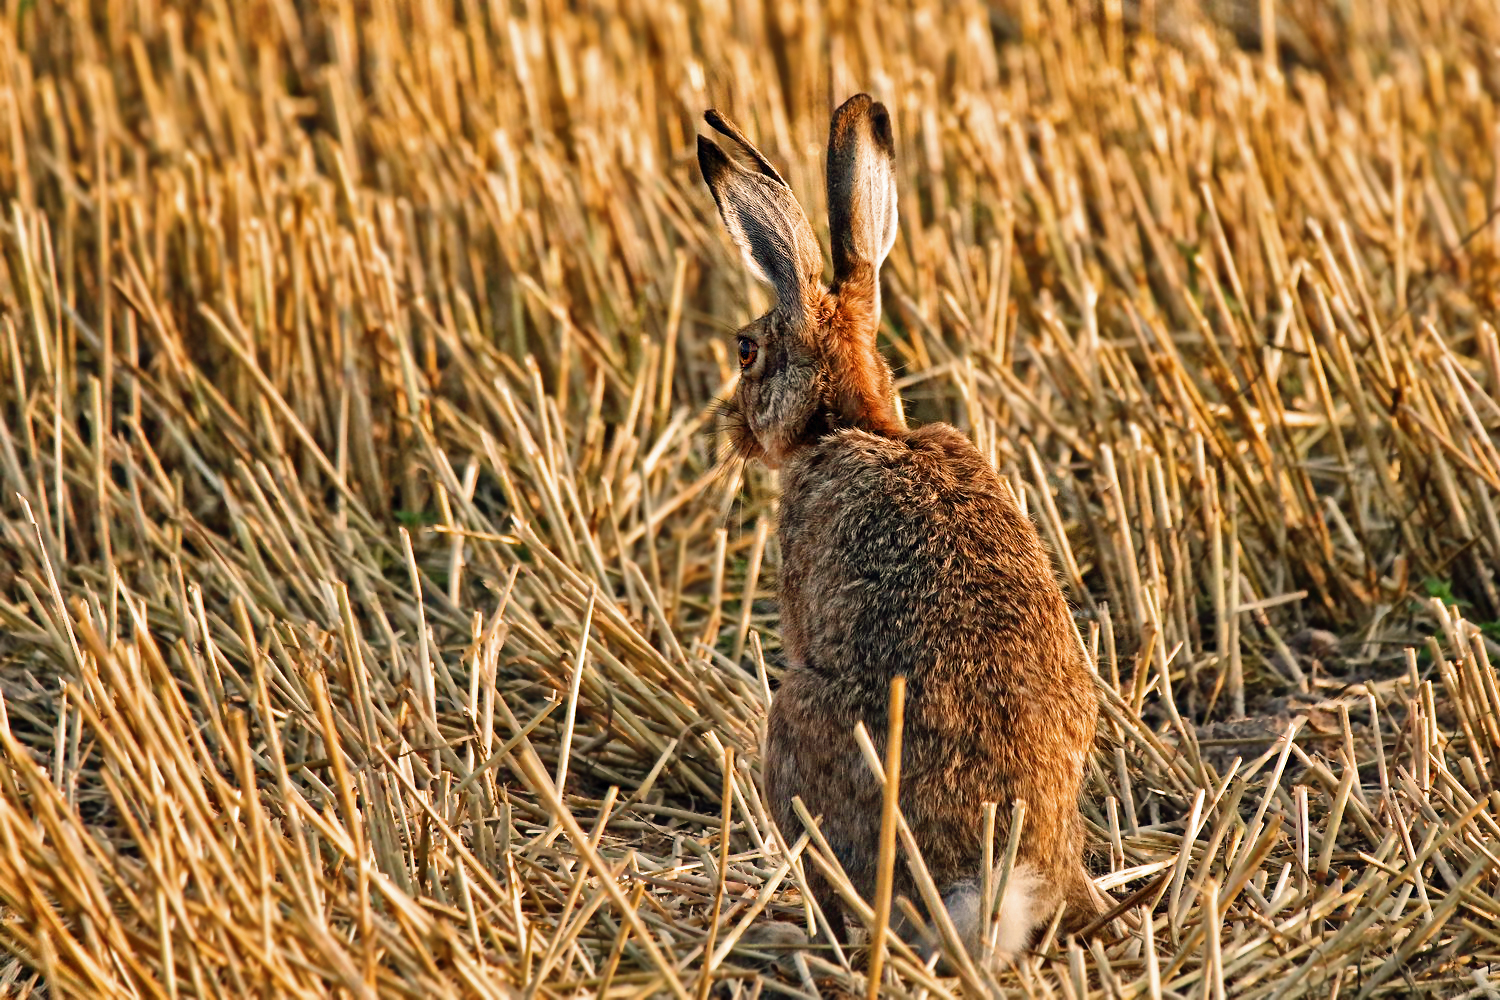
748, 351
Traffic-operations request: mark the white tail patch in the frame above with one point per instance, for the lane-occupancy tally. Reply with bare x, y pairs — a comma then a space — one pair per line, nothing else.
1014, 923
1018, 915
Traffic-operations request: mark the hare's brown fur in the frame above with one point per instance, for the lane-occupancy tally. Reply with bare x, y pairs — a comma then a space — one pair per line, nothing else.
902, 553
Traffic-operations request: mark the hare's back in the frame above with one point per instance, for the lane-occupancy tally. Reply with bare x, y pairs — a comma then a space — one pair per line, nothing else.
910, 555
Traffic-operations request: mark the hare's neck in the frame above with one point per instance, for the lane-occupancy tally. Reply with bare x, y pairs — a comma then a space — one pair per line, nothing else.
861, 393
860, 415
865, 400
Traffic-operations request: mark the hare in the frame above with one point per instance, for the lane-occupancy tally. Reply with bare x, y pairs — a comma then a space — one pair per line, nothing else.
902, 553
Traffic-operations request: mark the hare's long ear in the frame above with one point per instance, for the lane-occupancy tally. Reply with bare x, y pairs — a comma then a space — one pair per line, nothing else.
763, 218
861, 188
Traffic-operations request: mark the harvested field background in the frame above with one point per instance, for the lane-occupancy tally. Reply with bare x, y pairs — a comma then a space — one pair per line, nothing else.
376, 617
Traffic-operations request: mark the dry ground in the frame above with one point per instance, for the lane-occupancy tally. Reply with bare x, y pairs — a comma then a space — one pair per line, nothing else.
375, 617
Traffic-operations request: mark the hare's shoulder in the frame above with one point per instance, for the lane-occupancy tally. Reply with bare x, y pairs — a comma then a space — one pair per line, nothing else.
934, 456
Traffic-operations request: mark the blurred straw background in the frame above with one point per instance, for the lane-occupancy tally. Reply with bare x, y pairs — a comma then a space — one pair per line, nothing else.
376, 617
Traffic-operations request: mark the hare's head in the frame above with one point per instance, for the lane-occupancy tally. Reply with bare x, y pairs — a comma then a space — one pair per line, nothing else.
810, 366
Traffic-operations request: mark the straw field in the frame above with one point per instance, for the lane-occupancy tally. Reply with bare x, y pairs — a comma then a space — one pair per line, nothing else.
377, 616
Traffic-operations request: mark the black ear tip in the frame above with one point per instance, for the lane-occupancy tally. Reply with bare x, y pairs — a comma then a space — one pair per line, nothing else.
711, 159
854, 105
713, 162
722, 125
862, 106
